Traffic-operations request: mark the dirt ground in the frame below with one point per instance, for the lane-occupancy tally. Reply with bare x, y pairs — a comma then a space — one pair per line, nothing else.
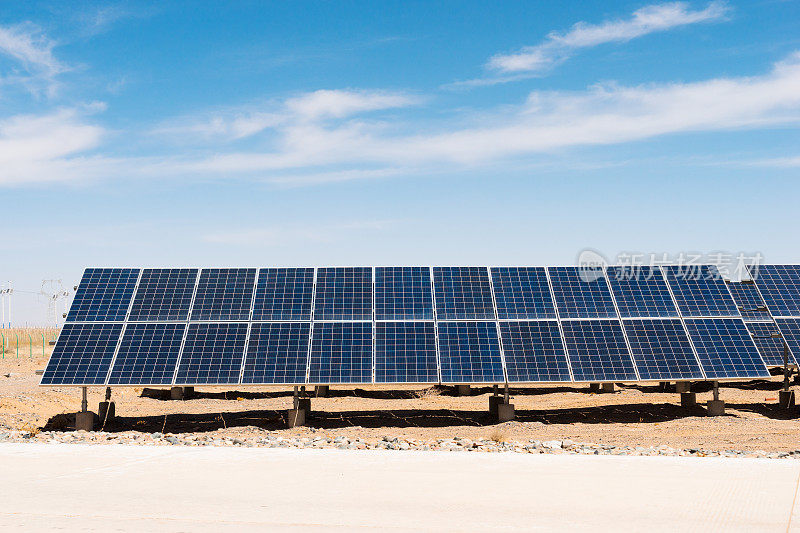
634, 415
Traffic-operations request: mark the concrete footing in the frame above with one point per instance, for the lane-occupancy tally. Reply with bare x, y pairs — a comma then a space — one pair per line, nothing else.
683, 386
505, 412
84, 421
715, 408
594, 387
494, 401
463, 390
321, 391
295, 417
786, 399
608, 387
106, 412
181, 393
304, 404
688, 400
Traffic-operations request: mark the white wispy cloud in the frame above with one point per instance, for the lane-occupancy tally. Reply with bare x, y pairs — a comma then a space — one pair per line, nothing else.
558, 47
32, 51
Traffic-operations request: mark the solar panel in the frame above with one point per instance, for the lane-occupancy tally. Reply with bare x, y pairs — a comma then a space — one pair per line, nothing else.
534, 351
463, 293
403, 293
770, 348
103, 295
147, 354
212, 354
725, 348
661, 350
405, 352
469, 352
700, 291
343, 294
522, 293
780, 287
284, 294
790, 329
597, 350
640, 291
579, 296
164, 294
341, 352
749, 302
277, 353
82, 354
224, 294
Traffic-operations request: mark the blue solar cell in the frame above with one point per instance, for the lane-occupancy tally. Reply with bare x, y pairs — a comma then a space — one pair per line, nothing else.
463, 293
277, 353
405, 352
82, 354
597, 350
164, 294
103, 295
581, 293
470, 352
790, 329
725, 348
284, 294
343, 294
341, 352
224, 294
147, 354
534, 351
780, 287
749, 302
661, 350
212, 354
641, 291
769, 343
700, 291
403, 293
522, 293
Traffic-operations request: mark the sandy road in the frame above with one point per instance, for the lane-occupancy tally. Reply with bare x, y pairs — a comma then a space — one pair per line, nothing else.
136, 488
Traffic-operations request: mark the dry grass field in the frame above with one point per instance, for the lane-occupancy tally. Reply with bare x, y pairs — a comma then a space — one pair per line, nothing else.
634, 415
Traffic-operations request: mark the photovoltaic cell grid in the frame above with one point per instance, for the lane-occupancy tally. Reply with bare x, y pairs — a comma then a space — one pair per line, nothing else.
749, 302
700, 291
725, 348
405, 352
403, 293
343, 294
579, 295
769, 346
164, 294
284, 294
469, 352
463, 293
780, 287
522, 293
147, 354
212, 354
661, 349
597, 350
103, 295
82, 355
224, 294
790, 329
640, 291
341, 352
277, 353
534, 351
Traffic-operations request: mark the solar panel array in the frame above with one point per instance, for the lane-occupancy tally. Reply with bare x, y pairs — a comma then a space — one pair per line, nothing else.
400, 325
778, 288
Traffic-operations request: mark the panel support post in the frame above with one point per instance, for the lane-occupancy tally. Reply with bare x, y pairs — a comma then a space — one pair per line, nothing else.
715, 407
683, 386
177, 393
106, 410
297, 415
463, 390
84, 420
786, 396
504, 410
321, 391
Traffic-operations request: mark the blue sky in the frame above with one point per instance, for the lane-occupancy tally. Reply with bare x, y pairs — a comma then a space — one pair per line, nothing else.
343, 133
